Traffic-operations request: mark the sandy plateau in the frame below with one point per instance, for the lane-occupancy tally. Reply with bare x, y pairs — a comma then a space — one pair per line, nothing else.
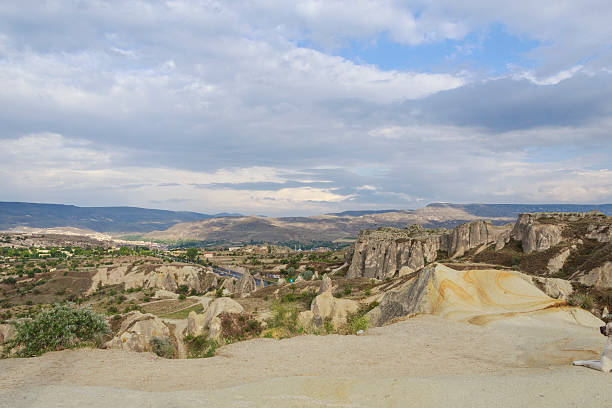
426, 361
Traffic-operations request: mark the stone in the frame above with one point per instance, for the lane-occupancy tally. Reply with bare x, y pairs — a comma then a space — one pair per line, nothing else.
326, 284
299, 278
305, 319
554, 287
315, 276
600, 277
326, 306
136, 332
281, 281
246, 284
555, 264
214, 328
220, 305
477, 297
196, 323
605, 312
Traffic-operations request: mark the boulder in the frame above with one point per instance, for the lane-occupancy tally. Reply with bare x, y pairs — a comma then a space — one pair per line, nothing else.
219, 306
326, 306
299, 278
196, 323
136, 332
326, 284
554, 287
305, 319
214, 328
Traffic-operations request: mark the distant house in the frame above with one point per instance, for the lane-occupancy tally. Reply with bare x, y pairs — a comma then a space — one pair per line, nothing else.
208, 255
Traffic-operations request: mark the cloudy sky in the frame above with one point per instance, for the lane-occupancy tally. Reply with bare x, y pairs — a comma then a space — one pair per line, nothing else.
304, 107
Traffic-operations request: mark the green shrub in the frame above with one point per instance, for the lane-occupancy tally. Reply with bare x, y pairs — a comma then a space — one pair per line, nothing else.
347, 290
163, 347
583, 300
355, 322
58, 328
200, 346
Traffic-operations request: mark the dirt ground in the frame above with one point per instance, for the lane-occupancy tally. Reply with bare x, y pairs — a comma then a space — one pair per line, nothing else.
425, 361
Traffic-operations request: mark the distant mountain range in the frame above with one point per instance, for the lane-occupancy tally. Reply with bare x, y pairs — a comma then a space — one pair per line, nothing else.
99, 219
236, 228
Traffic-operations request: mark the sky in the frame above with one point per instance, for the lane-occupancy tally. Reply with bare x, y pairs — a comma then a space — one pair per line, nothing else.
305, 107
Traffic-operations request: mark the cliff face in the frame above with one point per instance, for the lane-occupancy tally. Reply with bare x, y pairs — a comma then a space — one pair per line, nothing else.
381, 253
474, 234
387, 251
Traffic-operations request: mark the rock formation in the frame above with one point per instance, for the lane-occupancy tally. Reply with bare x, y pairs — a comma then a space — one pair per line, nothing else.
219, 306
136, 332
384, 252
326, 307
159, 276
326, 284
599, 277
556, 263
474, 296
381, 253
474, 234
246, 284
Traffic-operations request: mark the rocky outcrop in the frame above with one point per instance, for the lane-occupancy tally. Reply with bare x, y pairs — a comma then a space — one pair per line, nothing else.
599, 277
554, 287
158, 276
600, 232
381, 253
475, 296
541, 231
196, 323
219, 306
246, 284
326, 284
534, 235
475, 234
325, 307
387, 251
556, 263
136, 332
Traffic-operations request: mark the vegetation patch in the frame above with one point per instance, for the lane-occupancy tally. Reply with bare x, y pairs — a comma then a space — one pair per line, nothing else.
238, 326
163, 347
58, 328
200, 346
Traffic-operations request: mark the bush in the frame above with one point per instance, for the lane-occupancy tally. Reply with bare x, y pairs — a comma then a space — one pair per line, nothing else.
163, 347
355, 322
61, 327
583, 300
200, 346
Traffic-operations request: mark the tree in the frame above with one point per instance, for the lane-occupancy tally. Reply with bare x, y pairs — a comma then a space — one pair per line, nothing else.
192, 253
